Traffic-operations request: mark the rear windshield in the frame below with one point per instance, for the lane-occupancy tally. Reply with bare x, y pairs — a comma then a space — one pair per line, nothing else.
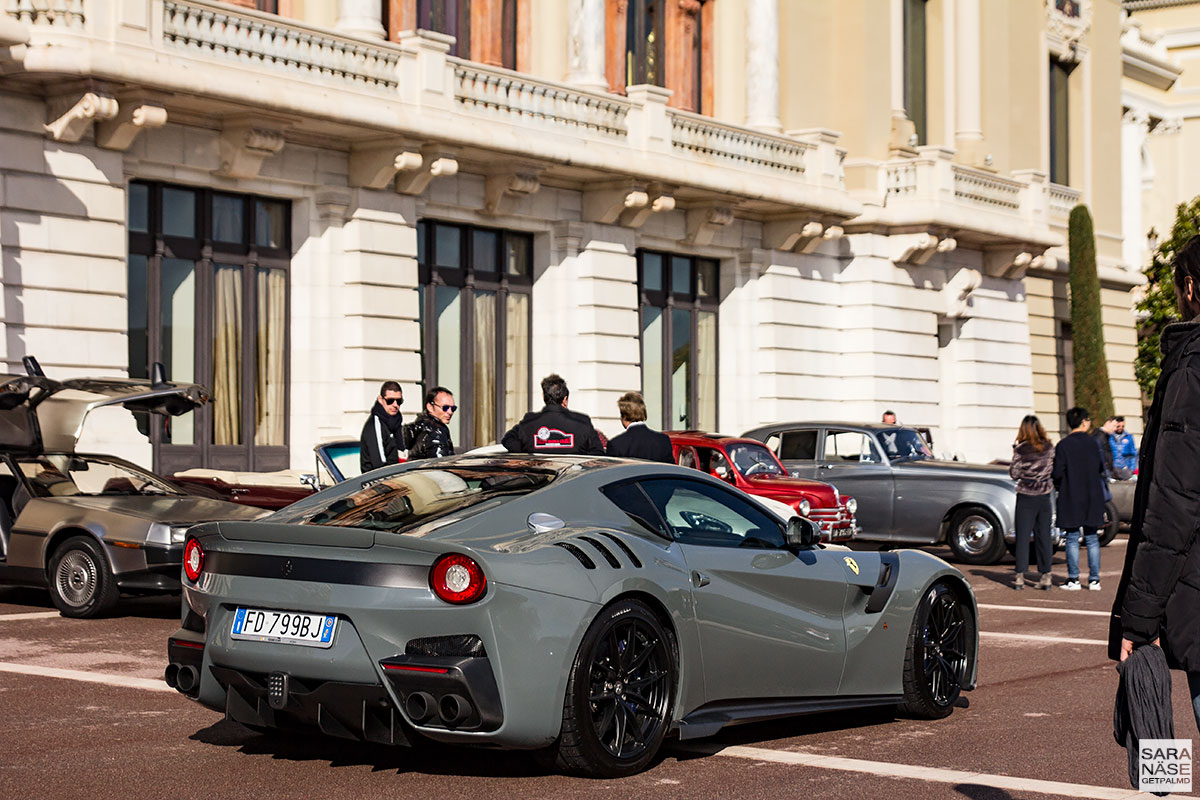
409, 499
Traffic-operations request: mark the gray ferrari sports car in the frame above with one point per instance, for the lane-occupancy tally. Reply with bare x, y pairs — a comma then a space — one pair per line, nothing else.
587, 607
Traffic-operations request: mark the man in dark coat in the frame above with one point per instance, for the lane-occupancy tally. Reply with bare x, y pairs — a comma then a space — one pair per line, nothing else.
1159, 594
1079, 477
639, 440
428, 436
379, 444
554, 430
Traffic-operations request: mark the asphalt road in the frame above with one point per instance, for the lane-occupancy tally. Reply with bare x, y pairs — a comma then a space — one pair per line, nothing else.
86, 714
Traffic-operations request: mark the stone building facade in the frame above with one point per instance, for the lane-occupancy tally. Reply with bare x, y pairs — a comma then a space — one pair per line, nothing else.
751, 210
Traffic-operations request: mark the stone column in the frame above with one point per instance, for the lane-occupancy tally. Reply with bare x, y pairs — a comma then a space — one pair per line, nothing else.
361, 18
762, 65
1135, 127
968, 127
585, 56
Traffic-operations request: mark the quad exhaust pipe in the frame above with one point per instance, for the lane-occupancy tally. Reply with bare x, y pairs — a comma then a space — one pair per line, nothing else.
452, 709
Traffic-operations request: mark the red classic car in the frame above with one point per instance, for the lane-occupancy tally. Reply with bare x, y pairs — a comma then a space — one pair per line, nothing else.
751, 467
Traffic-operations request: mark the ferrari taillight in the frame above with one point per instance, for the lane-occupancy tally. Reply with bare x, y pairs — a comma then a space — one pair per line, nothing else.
457, 579
193, 559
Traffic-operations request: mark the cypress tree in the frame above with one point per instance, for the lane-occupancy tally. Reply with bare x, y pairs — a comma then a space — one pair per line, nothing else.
1092, 389
1156, 308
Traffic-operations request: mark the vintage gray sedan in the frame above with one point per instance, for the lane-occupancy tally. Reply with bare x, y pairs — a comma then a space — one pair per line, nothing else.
86, 526
904, 494
586, 607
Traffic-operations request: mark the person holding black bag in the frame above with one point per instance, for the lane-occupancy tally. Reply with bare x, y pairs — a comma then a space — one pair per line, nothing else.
1158, 598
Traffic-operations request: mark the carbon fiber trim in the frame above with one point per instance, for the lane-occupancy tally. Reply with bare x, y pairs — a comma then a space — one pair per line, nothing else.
318, 570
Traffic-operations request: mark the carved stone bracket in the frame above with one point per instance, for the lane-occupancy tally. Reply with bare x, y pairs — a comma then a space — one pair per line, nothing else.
435, 163
956, 294
332, 205
135, 114
703, 223
502, 189
245, 144
918, 248
606, 205
372, 166
1010, 262
73, 123
628, 203
798, 234
658, 200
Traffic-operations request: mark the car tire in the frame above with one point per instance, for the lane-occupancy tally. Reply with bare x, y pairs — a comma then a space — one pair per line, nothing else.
975, 537
938, 656
625, 645
1112, 524
81, 582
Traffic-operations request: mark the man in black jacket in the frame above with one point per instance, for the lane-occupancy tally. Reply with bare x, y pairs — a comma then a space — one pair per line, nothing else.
1159, 594
428, 436
638, 440
1079, 477
378, 444
554, 430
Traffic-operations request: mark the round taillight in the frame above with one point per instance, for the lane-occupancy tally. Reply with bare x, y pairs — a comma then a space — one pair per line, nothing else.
193, 559
457, 579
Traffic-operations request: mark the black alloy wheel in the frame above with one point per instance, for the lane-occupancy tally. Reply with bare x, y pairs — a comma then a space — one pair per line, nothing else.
940, 648
620, 694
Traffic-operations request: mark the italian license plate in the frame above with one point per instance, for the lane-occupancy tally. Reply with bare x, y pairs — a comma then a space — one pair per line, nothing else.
284, 627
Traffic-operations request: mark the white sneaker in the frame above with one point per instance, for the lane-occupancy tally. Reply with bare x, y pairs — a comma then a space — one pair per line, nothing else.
1071, 586
1094, 586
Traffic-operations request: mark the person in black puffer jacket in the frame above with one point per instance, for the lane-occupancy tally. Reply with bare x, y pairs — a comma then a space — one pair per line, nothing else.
1031, 467
428, 435
1159, 594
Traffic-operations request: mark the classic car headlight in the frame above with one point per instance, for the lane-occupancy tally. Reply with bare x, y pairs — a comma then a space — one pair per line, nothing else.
804, 507
179, 533
851, 505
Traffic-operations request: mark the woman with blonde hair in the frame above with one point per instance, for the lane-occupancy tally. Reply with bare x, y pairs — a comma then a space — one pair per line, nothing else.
1032, 467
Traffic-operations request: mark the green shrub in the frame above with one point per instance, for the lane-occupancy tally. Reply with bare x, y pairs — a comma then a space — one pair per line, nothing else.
1157, 306
1092, 389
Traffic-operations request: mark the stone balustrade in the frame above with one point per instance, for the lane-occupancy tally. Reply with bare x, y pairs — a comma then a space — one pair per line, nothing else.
66, 14
526, 101
706, 138
217, 31
981, 188
1062, 199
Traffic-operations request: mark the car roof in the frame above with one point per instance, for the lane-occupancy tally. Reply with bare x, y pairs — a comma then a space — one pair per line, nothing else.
873, 426
701, 437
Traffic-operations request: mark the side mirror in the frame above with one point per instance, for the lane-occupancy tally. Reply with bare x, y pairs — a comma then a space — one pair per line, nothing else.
310, 480
722, 472
802, 532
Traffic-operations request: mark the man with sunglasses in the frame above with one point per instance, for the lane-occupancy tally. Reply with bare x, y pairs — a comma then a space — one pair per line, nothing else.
428, 436
379, 445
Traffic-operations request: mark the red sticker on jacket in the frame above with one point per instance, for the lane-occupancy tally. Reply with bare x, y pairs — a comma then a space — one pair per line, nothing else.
553, 439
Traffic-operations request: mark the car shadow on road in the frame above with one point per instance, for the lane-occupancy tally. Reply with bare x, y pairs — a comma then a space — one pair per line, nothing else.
976, 792
426, 758
789, 728
147, 606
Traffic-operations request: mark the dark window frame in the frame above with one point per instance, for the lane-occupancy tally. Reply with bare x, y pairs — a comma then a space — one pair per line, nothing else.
1060, 121
451, 17
916, 86
667, 301
467, 280
639, 67
205, 253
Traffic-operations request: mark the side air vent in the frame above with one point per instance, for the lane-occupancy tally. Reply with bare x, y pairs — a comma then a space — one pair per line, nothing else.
608, 556
624, 548
579, 554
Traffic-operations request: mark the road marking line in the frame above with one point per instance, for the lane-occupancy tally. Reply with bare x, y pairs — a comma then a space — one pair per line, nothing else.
1033, 637
1079, 611
30, 615
923, 773
88, 677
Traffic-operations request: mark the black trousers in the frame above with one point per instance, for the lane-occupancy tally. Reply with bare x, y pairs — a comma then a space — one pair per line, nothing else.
1033, 518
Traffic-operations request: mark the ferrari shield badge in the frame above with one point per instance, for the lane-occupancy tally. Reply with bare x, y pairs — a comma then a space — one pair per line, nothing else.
852, 564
